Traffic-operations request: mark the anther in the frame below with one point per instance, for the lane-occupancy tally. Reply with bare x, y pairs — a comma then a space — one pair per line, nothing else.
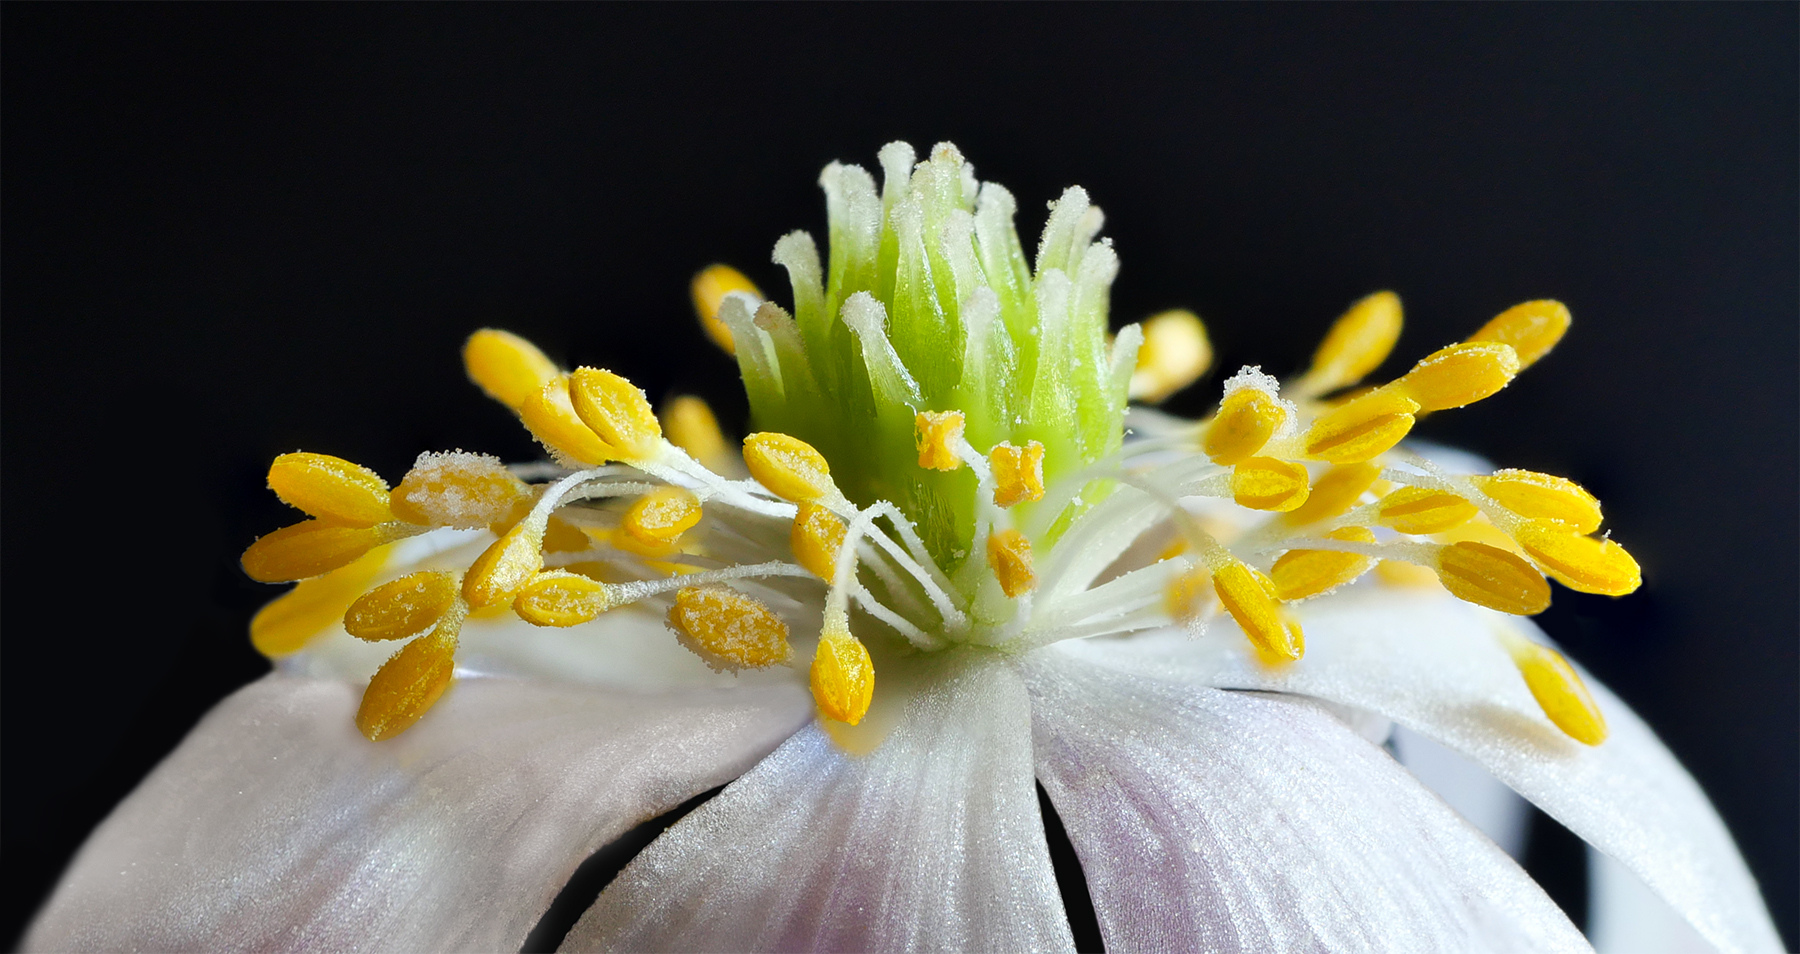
1356, 344
331, 488
407, 685
691, 426
550, 416
1250, 598
288, 624
1335, 492
816, 538
1018, 473
842, 677
1559, 690
1532, 328
1303, 573
561, 598
709, 290
1580, 562
403, 607
1009, 556
1188, 596
1268, 483
1420, 510
728, 629
935, 435
1362, 428
788, 466
661, 515
311, 548
616, 410
1491, 577
506, 366
1460, 374
459, 489
1531, 494
1174, 354
505, 567
1246, 420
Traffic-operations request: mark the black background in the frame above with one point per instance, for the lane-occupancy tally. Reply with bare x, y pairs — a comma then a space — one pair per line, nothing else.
235, 231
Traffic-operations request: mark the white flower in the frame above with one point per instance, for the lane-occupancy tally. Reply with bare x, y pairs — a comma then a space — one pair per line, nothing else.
1179, 637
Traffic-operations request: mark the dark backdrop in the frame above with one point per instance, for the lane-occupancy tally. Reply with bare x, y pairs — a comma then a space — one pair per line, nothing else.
235, 231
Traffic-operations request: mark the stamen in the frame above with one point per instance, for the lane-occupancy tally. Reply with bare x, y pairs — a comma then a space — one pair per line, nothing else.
505, 567
408, 684
1421, 510
1491, 577
403, 607
1299, 574
1356, 344
936, 434
1247, 418
789, 467
658, 517
842, 676
331, 488
1580, 562
1558, 689
1250, 598
1532, 328
816, 538
1018, 473
550, 416
458, 489
1189, 595
314, 547
691, 426
1174, 354
1334, 493
506, 366
617, 411
561, 598
728, 629
285, 626
1009, 556
1268, 483
1531, 494
709, 290
1362, 428
1460, 374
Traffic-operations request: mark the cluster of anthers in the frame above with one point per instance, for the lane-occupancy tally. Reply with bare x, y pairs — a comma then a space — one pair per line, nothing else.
943, 450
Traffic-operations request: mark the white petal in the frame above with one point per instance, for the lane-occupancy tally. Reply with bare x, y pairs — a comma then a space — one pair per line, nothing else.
1478, 796
1430, 662
1232, 822
275, 825
1626, 917
932, 842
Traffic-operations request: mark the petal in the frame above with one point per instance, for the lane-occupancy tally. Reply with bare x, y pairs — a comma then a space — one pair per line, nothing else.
1225, 821
1626, 917
1431, 663
1475, 794
275, 825
934, 841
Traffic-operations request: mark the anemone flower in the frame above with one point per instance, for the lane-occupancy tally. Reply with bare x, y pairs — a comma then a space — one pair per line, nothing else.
1196, 639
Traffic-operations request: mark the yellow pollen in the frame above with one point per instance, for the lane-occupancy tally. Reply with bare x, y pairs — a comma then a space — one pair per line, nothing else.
1362, 428
1559, 690
1531, 494
1580, 562
311, 548
460, 490
788, 466
331, 488
1335, 492
1266, 483
1491, 577
561, 598
1532, 328
1420, 510
1174, 354
691, 426
661, 515
1009, 556
285, 626
1018, 473
843, 677
816, 538
728, 629
1356, 344
1250, 598
407, 685
616, 410
550, 416
935, 434
709, 289
1189, 595
1303, 573
1460, 374
1246, 420
506, 366
505, 567
403, 607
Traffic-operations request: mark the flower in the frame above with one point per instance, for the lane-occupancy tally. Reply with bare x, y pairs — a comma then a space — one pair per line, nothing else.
1194, 640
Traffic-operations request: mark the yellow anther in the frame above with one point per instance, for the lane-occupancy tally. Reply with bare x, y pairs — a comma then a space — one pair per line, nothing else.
1531, 494
1250, 598
1460, 374
1362, 428
788, 466
1174, 548
1018, 473
310, 548
459, 489
561, 598
403, 607
1356, 344
1559, 691
550, 416
1009, 556
728, 629
691, 426
1532, 329
1174, 354
407, 686
709, 289
843, 677
661, 515
1336, 491
816, 538
1303, 573
1580, 562
1420, 510
1246, 420
561, 536
616, 410
509, 368
505, 567
1398, 573
331, 488
935, 434
1268, 483
285, 626
1188, 597
1491, 577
